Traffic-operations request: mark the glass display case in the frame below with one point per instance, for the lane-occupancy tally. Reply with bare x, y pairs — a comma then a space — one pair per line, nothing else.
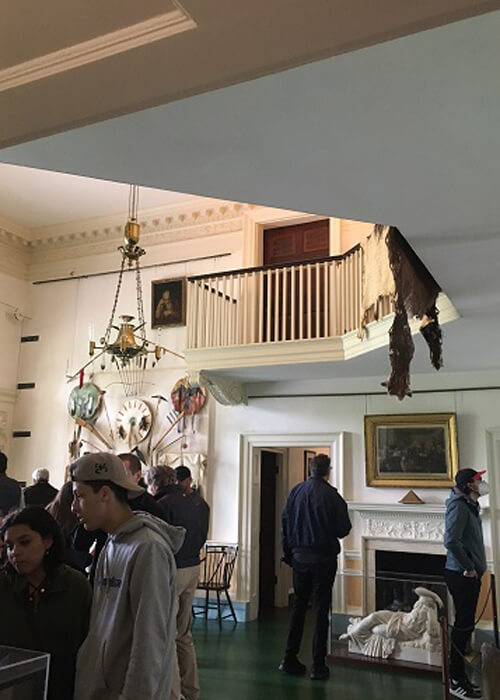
23, 674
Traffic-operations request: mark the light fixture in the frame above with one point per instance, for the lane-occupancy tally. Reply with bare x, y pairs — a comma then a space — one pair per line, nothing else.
130, 349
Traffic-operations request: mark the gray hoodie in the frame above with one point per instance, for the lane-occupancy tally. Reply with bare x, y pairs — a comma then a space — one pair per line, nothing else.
463, 537
129, 650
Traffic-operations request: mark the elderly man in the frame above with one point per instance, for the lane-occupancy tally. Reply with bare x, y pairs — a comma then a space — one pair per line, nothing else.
41, 493
185, 508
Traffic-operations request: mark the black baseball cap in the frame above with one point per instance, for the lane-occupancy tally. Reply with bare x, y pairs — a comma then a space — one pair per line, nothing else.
465, 476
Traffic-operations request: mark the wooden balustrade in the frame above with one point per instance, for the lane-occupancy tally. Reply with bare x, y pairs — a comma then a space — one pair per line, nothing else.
276, 304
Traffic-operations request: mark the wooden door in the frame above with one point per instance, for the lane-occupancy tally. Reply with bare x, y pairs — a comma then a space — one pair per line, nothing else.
295, 244
267, 539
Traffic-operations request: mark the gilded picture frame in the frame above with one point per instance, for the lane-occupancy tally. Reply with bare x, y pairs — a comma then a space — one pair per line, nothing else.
168, 303
411, 450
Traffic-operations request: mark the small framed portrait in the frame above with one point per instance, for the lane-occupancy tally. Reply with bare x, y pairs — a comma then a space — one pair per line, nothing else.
168, 303
308, 455
415, 450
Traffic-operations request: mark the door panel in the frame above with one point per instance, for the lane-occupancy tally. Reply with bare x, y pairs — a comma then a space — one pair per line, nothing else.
294, 244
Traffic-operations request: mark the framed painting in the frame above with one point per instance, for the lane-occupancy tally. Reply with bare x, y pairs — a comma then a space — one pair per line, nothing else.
308, 455
414, 450
168, 303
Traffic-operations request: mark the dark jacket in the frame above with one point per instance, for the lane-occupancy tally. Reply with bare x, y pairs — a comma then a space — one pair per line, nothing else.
10, 494
314, 518
192, 513
84, 539
40, 494
463, 536
58, 625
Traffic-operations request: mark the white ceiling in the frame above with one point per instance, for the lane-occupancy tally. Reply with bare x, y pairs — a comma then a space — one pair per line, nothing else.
67, 64
39, 198
406, 133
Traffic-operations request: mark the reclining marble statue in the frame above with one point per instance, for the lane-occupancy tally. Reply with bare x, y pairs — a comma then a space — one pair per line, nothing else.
414, 635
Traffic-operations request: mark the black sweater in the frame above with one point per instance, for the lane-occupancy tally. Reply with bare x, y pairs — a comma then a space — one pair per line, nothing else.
191, 512
315, 517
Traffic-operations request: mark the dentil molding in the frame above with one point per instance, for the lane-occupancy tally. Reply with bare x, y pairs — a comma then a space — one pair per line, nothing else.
29, 254
166, 223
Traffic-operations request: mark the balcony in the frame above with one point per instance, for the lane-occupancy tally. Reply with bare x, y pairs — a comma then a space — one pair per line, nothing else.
285, 314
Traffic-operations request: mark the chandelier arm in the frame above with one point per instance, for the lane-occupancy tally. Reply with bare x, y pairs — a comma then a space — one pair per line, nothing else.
93, 359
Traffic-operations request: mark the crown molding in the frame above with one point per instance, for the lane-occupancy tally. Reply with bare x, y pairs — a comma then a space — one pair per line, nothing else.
10, 231
175, 222
140, 34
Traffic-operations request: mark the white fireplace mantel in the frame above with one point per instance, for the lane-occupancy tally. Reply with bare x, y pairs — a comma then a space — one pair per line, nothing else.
422, 522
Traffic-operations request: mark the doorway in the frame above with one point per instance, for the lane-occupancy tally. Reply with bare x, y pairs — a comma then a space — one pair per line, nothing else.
252, 444
269, 470
280, 470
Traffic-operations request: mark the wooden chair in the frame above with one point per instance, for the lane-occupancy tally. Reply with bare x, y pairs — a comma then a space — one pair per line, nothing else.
216, 570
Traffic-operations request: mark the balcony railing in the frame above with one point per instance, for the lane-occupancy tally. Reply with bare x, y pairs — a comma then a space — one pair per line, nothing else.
276, 304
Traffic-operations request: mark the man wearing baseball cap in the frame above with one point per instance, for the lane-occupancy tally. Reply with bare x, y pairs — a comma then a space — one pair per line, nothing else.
465, 565
131, 642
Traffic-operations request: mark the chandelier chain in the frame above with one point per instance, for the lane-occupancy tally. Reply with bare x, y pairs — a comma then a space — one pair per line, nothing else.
140, 303
115, 303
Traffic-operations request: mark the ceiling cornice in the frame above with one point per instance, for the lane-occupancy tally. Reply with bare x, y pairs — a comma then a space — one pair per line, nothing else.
42, 253
109, 44
173, 221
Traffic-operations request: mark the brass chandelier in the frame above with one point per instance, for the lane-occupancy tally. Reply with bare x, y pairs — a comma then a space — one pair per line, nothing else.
129, 350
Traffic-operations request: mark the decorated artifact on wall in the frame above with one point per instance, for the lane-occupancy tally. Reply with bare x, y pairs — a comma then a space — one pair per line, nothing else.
85, 402
133, 422
188, 398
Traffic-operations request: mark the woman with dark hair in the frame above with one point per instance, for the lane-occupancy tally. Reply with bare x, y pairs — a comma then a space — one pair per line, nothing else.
60, 510
44, 604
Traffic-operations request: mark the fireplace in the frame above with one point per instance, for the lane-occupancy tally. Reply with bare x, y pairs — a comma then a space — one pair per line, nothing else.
398, 573
400, 542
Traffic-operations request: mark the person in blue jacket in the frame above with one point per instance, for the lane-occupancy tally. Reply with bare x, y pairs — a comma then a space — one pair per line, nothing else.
315, 517
464, 568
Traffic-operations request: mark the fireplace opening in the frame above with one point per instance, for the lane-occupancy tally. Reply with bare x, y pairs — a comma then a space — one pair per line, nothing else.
399, 573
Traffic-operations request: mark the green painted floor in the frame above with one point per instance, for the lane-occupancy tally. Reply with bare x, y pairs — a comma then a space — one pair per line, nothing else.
241, 663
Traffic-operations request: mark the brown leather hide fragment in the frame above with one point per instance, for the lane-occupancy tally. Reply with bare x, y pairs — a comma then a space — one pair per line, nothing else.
416, 295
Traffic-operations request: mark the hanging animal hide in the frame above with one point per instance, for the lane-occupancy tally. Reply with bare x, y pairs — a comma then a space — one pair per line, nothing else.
378, 280
416, 295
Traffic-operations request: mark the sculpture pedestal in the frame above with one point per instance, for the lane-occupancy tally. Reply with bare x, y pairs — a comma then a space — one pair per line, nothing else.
405, 652
340, 653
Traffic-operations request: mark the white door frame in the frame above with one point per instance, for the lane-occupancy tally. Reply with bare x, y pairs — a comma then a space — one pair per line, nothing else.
493, 477
247, 580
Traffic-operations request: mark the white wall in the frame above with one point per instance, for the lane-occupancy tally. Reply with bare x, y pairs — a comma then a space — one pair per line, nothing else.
476, 411
14, 294
62, 313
